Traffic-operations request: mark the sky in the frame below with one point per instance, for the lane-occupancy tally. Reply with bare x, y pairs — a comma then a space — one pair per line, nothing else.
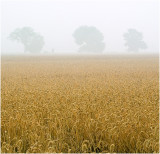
56, 20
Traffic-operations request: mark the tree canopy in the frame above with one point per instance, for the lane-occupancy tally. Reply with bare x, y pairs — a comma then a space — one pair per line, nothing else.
89, 38
32, 41
134, 40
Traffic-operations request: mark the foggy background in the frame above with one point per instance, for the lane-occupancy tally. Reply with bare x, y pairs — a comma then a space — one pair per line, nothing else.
56, 21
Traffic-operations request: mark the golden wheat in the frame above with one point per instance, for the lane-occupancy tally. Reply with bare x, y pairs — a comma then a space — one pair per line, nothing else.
80, 104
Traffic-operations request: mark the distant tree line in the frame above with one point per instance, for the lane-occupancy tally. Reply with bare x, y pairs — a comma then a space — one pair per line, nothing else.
89, 38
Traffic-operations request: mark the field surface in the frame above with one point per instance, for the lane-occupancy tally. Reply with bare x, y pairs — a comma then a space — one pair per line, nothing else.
80, 104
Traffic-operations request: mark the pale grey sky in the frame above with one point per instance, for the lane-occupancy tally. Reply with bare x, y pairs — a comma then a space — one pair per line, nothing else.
56, 20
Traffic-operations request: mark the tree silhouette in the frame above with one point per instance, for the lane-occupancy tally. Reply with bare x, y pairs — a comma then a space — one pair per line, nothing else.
32, 41
134, 40
90, 39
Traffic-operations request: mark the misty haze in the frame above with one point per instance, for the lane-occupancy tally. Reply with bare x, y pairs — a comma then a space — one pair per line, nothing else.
79, 76
57, 20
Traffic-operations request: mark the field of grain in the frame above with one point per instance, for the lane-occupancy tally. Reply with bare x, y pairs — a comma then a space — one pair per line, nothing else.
80, 104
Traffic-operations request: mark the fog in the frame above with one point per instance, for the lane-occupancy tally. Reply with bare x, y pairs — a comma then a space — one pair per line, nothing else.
57, 20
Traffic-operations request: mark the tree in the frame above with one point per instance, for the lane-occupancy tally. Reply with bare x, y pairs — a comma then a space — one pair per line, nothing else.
134, 40
32, 41
89, 38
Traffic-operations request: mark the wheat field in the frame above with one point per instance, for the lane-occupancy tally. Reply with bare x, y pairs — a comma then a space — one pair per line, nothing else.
80, 104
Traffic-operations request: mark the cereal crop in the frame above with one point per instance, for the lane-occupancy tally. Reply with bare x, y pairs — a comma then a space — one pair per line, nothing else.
80, 104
